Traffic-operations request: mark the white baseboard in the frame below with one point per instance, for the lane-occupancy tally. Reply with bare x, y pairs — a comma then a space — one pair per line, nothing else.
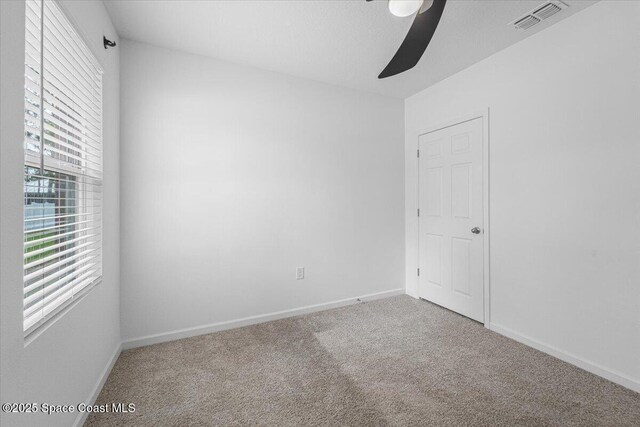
412, 293
594, 368
252, 320
82, 416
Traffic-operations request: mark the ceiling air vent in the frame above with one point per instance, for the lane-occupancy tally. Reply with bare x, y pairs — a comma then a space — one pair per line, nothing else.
540, 13
526, 22
547, 10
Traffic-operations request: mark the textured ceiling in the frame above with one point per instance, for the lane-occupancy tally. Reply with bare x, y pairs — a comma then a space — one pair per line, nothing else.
344, 42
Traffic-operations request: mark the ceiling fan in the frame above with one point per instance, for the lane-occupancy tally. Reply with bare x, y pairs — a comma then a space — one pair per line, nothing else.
428, 13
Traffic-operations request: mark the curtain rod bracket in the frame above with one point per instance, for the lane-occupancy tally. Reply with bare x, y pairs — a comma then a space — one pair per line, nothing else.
107, 43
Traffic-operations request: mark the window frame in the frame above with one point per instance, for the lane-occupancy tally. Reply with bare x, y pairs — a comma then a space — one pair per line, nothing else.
80, 200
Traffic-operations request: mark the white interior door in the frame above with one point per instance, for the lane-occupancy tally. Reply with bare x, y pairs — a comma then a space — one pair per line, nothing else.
451, 218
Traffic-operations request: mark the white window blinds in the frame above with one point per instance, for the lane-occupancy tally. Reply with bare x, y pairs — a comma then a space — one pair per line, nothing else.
62, 164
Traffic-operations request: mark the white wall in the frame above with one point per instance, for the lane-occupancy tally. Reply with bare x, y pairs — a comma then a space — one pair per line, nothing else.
565, 185
232, 177
64, 364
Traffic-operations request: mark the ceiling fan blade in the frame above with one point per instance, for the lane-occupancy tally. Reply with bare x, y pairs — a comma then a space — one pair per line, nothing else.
426, 4
416, 41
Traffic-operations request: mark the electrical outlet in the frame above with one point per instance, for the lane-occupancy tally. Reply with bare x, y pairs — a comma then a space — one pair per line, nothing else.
299, 273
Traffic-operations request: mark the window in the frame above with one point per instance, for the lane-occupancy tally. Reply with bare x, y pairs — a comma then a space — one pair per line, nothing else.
62, 164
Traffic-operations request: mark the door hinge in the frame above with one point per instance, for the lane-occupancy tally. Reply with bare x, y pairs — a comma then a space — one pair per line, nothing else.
418, 272
418, 212
418, 153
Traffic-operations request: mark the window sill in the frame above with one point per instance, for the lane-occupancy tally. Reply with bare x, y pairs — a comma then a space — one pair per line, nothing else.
39, 328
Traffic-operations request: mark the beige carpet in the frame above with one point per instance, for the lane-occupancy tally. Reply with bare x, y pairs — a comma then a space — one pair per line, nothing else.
397, 361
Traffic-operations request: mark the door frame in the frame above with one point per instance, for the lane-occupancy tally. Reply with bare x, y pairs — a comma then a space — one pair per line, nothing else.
484, 115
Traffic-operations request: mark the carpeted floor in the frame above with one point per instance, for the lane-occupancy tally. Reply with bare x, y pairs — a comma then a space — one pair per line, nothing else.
397, 361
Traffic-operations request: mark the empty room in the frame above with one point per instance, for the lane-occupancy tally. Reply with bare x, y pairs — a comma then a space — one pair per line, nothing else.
320, 213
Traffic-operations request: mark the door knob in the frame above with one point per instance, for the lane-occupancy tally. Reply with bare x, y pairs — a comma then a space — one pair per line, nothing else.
475, 230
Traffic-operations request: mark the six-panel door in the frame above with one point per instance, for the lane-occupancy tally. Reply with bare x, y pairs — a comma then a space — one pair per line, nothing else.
450, 202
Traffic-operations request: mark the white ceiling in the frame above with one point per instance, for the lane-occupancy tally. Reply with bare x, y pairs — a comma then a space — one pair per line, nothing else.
343, 42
